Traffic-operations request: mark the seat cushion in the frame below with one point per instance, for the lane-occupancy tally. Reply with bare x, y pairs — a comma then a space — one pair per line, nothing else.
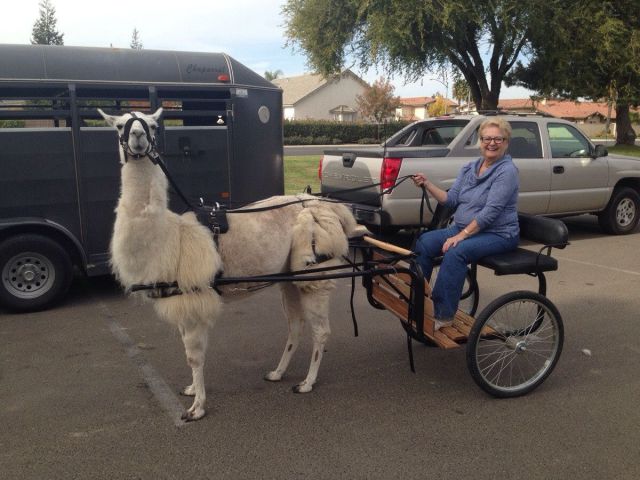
519, 261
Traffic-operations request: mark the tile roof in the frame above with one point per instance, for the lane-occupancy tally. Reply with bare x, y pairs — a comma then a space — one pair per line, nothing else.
558, 108
421, 101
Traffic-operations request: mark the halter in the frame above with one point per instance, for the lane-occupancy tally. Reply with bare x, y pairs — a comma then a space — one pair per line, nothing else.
124, 140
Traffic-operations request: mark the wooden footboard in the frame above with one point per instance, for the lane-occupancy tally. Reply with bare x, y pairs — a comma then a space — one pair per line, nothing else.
393, 291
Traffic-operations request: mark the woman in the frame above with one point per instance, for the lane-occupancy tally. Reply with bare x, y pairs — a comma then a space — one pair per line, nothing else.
485, 195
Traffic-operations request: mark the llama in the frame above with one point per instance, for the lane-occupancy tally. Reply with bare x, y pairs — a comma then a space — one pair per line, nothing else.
152, 244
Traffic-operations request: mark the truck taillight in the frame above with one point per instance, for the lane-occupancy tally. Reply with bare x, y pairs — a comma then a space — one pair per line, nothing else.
320, 168
389, 172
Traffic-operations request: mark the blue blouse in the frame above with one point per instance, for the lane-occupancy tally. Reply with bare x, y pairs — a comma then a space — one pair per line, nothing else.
491, 198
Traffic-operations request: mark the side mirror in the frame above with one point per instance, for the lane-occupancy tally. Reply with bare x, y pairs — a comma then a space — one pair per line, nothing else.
600, 151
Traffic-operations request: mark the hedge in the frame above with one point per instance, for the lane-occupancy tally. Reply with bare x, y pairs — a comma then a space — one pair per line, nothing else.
325, 132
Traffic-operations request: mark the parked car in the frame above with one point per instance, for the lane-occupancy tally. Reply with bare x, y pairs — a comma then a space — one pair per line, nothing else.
562, 172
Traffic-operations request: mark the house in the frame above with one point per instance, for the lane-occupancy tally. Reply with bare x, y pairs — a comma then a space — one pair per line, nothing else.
314, 96
591, 116
417, 108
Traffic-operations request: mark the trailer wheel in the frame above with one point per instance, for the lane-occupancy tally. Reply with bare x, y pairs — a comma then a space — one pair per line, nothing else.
36, 272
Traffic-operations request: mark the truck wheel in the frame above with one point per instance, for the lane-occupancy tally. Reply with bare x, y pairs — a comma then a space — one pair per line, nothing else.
36, 272
622, 213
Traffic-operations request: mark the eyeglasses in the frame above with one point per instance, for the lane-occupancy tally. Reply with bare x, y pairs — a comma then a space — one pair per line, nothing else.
487, 140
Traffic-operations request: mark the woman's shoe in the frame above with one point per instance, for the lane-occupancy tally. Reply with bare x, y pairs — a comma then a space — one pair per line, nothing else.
438, 324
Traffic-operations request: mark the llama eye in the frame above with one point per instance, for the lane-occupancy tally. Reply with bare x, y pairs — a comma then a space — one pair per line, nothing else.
119, 127
153, 127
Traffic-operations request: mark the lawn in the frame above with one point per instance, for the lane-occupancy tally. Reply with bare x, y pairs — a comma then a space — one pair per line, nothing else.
632, 150
300, 171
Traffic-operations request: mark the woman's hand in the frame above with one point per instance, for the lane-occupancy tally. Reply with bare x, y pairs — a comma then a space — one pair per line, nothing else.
420, 179
453, 241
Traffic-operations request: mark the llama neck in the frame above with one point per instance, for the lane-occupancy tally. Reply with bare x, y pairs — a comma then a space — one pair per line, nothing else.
144, 187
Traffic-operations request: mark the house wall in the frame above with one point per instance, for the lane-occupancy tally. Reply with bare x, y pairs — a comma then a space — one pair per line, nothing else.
318, 104
289, 113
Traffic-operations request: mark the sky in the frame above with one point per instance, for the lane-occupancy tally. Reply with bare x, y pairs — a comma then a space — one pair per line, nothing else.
251, 31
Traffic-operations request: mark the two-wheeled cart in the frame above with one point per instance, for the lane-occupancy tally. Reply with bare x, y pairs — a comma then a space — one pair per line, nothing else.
514, 343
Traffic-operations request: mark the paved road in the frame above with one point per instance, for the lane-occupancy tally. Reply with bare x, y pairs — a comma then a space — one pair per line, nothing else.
86, 390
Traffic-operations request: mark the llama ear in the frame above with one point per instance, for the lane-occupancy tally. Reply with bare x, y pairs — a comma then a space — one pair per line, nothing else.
157, 114
110, 119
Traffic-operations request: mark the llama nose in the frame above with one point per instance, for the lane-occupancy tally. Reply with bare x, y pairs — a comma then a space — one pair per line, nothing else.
137, 133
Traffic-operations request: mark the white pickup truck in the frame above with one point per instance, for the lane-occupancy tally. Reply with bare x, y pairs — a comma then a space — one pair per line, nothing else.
562, 172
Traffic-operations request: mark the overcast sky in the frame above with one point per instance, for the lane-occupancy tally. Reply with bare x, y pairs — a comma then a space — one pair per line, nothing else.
251, 31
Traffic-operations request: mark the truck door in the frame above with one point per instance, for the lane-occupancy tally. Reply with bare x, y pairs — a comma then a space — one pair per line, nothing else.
578, 182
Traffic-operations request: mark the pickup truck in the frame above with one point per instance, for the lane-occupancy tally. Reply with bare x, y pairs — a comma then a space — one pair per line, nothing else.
562, 172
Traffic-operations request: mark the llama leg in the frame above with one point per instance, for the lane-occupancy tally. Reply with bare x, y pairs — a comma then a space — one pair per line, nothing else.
189, 390
316, 310
195, 338
293, 312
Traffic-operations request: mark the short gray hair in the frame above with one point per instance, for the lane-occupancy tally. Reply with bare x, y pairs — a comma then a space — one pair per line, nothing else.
499, 122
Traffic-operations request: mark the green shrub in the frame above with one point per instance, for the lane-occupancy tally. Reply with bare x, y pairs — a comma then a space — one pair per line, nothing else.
346, 132
367, 140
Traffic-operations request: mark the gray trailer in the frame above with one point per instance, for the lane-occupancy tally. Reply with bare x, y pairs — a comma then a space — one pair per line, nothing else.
59, 181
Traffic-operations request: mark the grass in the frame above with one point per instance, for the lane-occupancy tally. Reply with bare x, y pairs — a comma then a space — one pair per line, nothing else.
632, 150
300, 171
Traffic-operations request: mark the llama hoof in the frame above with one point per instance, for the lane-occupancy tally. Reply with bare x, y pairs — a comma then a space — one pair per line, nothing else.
193, 415
273, 376
188, 391
302, 388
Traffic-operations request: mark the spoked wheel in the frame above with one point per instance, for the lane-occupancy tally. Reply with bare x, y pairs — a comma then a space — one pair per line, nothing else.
515, 343
470, 292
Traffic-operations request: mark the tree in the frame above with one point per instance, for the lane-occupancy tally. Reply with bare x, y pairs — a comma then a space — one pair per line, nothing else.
588, 50
269, 75
44, 29
377, 101
136, 43
438, 107
461, 90
411, 37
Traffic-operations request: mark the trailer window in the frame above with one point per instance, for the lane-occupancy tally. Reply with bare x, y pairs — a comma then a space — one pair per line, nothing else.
35, 108
194, 107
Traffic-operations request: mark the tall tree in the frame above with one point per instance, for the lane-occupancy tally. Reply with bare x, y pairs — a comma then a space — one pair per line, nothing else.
482, 39
272, 75
587, 49
378, 101
44, 29
136, 42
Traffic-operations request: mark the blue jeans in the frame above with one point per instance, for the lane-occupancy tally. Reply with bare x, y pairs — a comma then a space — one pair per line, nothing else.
450, 281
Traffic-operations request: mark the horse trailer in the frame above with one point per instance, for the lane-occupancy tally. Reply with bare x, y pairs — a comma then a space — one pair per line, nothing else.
221, 139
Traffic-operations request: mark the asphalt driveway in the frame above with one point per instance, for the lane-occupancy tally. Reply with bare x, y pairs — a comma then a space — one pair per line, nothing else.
88, 390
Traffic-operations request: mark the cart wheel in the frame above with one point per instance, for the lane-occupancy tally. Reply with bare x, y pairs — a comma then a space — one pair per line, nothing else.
515, 343
470, 292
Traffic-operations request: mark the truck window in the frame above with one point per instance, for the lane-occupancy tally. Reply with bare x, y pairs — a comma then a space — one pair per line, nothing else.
566, 141
441, 134
525, 140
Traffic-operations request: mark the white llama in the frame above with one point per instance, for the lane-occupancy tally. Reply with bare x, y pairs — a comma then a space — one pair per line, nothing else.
152, 244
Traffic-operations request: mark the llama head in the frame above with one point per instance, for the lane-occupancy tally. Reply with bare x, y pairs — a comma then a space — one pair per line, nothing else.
136, 131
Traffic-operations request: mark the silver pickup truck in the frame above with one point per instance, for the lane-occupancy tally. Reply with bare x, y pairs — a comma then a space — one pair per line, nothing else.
562, 172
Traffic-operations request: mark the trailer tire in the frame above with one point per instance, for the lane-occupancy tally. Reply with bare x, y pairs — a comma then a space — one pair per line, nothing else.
36, 272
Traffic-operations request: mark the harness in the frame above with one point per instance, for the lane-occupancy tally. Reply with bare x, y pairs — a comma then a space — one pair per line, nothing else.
214, 217
124, 139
